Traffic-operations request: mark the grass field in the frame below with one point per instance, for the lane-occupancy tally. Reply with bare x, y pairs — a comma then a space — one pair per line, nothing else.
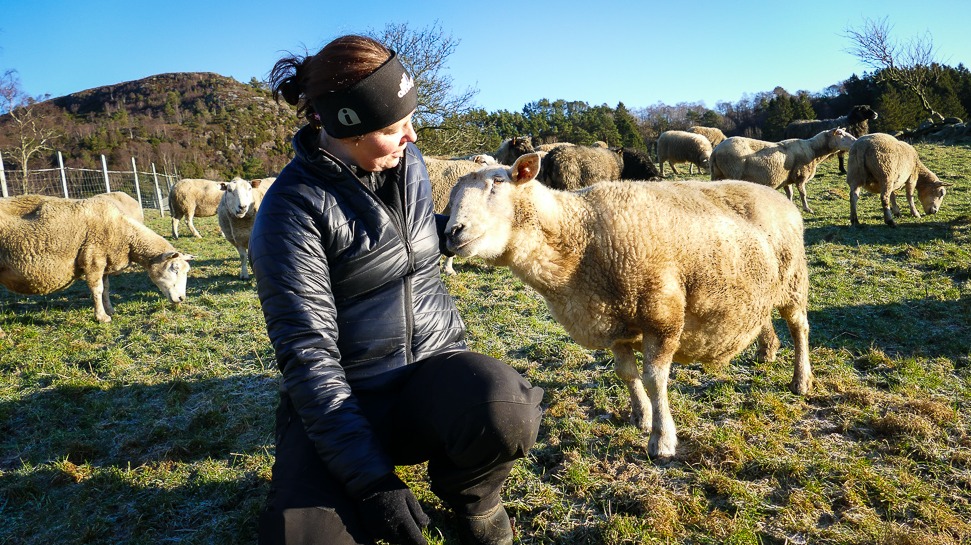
157, 427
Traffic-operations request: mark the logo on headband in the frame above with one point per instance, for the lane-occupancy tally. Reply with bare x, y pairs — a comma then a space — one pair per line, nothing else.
405, 85
348, 117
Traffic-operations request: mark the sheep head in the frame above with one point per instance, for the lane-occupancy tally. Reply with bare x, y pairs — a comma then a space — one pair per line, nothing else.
931, 191
238, 196
483, 205
840, 139
169, 272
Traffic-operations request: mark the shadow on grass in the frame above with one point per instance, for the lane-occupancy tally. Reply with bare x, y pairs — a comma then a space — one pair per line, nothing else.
925, 327
873, 231
176, 421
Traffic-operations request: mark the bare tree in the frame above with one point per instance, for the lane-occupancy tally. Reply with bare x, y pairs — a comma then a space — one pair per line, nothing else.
425, 53
911, 65
31, 135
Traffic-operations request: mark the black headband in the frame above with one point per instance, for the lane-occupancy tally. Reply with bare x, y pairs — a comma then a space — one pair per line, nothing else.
385, 96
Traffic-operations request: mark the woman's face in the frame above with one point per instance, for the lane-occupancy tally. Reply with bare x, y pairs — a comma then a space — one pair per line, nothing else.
382, 149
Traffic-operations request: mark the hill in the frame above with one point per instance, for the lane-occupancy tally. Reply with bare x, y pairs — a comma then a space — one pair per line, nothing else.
196, 124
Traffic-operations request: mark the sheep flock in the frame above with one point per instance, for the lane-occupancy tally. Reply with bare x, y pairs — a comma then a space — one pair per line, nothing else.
680, 271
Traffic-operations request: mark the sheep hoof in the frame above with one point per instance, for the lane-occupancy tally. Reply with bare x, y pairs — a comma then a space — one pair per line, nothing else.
800, 387
658, 452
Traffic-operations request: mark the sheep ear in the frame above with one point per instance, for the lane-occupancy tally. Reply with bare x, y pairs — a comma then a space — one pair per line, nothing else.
223, 186
255, 183
168, 256
525, 168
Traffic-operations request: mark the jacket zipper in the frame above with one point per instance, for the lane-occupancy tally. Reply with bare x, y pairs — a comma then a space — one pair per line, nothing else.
400, 225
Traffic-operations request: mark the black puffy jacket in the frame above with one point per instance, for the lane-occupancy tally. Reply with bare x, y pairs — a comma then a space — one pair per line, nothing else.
350, 298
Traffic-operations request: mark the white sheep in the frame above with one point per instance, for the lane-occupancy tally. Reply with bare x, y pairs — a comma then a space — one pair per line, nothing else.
882, 164
777, 164
713, 134
193, 198
236, 212
676, 147
443, 173
46, 243
125, 202
681, 271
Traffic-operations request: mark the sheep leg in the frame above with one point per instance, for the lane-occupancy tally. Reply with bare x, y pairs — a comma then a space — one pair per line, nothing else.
802, 194
802, 375
243, 272
674, 169
96, 284
448, 267
854, 197
767, 344
788, 189
887, 211
658, 354
840, 155
910, 201
625, 365
192, 228
106, 298
175, 227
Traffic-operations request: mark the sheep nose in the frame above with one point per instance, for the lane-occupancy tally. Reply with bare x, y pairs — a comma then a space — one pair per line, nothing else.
456, 230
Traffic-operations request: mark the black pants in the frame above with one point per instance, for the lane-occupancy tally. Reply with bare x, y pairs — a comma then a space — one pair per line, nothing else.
470, 416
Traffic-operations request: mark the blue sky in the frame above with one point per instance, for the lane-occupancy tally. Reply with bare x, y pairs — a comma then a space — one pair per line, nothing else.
597, 51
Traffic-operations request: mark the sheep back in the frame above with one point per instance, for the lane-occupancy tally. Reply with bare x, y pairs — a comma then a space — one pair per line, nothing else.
713, 134
442, 174
573, 167
126, 203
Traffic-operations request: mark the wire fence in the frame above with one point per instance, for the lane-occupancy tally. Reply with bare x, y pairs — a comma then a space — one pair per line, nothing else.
150, 188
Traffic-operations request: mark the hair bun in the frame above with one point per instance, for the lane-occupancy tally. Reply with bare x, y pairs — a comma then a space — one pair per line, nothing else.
290, 90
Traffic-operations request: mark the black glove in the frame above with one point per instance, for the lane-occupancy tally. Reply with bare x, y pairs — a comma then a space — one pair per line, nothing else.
391, 512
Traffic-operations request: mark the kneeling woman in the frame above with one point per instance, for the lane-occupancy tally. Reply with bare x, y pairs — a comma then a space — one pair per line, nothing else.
375, 369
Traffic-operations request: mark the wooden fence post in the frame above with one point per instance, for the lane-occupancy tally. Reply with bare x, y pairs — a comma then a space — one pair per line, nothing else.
104, 170
3, 178
60, 162
138, 190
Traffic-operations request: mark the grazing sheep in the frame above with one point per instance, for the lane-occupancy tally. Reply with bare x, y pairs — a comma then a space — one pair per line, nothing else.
857, 123
714, 135
682, 147
46, 243
637, 165
125, 202
236, 212
681, 271
777, 164
882, 164
512, 148
443, 173
193, 198
572, 167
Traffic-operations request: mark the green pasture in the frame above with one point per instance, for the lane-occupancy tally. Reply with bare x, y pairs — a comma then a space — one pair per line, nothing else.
157, 427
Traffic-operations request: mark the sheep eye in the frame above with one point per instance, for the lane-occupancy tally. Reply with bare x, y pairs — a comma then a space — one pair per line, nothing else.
498, 180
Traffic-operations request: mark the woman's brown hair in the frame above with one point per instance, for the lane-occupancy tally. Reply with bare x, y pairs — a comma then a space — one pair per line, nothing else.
339, 65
